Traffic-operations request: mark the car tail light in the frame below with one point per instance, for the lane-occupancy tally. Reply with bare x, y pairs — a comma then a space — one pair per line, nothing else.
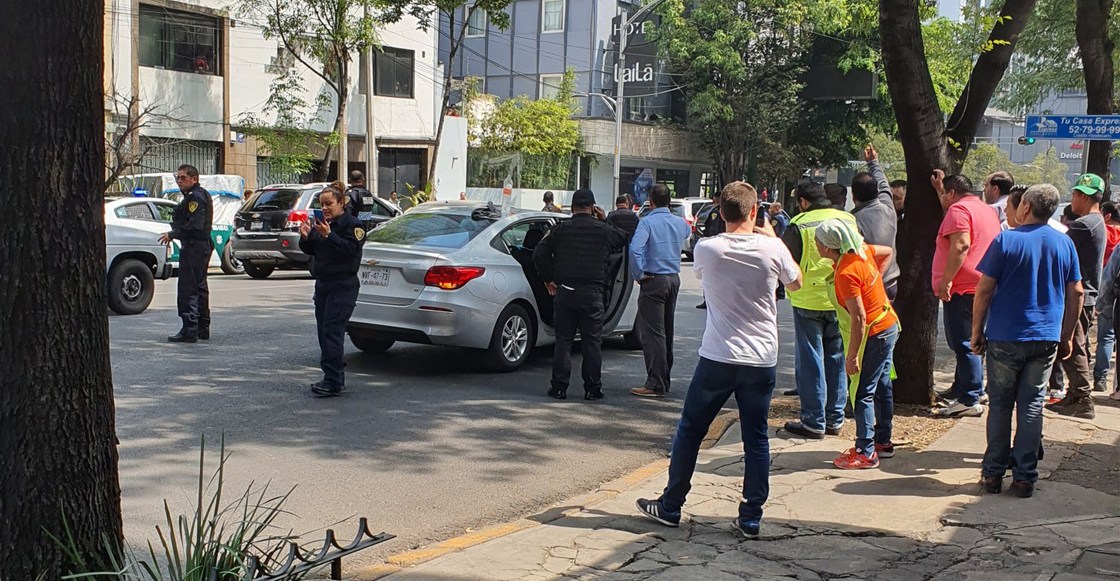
296, 217
452, 277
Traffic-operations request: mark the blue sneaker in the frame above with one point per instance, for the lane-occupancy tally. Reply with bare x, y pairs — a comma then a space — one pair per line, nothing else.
652, 509
748, 527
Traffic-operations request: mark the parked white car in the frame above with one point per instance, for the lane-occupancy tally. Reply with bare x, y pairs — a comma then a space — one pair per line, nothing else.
135, 259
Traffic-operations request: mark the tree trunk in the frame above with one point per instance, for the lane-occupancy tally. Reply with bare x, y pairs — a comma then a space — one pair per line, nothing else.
1096, 59
58, 452
928, 145
343, 131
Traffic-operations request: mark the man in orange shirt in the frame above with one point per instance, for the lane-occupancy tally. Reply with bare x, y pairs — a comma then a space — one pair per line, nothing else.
870, 338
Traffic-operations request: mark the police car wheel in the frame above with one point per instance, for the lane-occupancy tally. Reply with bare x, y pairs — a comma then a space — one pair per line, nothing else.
513, 339
131, 286
258, 270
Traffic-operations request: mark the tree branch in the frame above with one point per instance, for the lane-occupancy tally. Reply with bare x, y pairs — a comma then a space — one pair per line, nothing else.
291, 48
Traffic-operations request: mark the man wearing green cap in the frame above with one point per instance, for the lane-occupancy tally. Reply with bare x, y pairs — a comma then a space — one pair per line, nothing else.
1089, 237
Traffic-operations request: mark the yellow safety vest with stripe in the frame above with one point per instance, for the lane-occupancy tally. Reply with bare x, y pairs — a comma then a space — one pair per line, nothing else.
815, 271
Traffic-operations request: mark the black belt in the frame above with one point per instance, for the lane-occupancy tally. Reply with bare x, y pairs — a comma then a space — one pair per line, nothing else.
657, 274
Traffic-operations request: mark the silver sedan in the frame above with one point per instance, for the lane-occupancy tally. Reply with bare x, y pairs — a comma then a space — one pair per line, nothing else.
459, 274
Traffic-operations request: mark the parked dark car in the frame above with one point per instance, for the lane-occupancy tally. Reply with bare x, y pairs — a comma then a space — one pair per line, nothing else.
266, 229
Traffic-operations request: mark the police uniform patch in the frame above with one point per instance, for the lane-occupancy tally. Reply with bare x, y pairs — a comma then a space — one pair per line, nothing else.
192, 206
359, 233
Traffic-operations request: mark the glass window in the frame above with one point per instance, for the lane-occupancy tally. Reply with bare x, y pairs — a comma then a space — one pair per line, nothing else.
476, 24
552, 16
442, 230
550, 86
380, 209
179, 41
274, 200
165, 211
392, 72
137, 211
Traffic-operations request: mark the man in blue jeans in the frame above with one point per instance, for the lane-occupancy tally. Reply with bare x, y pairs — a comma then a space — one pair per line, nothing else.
1023, 332
819, 359
739, 270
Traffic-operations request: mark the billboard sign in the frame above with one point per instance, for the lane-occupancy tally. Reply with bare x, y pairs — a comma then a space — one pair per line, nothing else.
1098, 127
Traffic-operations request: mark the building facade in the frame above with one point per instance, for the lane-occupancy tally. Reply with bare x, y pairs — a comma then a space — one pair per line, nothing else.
196, 72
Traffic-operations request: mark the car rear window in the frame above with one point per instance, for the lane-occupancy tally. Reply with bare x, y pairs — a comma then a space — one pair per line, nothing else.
439, 230
274, 200
677, 209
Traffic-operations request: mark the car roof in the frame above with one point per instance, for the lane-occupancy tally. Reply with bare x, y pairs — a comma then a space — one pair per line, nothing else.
295, 186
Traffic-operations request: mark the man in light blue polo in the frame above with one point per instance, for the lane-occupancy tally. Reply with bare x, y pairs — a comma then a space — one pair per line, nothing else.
655, 263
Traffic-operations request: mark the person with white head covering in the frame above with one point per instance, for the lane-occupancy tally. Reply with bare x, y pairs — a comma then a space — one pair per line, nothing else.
870, 329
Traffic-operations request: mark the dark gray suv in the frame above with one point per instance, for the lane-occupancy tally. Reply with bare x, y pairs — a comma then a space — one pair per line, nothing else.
266, 229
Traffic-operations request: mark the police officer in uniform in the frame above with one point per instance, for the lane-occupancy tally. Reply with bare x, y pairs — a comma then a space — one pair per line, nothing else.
357, 193
573, 260
335, 242
190, 225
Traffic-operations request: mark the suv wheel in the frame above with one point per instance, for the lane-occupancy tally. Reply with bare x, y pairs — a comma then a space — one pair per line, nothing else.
369, 343
230, 263
131, 286
513, 340
258, 271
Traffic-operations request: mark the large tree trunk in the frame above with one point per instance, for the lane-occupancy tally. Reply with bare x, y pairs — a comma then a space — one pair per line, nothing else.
1096, 60
929, 145
58, 452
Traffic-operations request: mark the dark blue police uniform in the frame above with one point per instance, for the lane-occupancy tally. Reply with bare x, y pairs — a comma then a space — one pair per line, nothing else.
335, 268
191, 223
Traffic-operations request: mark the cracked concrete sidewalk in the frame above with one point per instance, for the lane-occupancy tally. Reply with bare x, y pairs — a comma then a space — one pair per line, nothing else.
920, 516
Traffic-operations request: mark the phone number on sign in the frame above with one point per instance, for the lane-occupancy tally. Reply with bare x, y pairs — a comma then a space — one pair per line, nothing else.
1094, 130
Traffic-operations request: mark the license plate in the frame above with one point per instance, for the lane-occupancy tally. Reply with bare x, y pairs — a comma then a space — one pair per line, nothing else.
374, 276
256, 226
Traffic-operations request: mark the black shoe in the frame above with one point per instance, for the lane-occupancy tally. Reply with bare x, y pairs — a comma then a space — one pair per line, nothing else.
204, 333
558, 393
1100, 384
798, 429
651, 509
321, 389
1079, 408
183, 336
593, 395
1022, 488
702, 306
991, 484
790, 391
833, 431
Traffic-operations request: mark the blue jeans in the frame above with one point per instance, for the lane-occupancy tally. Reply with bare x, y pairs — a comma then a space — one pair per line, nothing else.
874, 369
1106, 341
1018, 374
712, 384
819, 369
968, 381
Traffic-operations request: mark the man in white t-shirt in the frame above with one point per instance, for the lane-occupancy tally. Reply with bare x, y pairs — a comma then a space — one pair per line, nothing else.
740, 270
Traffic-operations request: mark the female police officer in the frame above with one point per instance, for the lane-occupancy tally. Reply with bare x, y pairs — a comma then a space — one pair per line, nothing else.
335, 244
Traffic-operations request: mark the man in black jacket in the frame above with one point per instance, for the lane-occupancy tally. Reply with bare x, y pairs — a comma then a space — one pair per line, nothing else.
191, 223
572, 260
622, 217
359, 196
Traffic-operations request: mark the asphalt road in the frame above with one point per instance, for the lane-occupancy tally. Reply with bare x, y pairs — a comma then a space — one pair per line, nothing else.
424, 443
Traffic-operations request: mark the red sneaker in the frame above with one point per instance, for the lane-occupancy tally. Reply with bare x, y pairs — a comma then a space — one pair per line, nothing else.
852, 460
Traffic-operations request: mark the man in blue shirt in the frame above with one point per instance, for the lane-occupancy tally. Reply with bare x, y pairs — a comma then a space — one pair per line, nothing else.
655, 263
1030, 296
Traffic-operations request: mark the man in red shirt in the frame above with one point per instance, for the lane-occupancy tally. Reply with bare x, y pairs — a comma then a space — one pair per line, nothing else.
968, 228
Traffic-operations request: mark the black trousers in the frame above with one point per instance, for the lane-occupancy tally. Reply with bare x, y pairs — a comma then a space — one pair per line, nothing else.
334, 303
582, 311
657, 305
194, 294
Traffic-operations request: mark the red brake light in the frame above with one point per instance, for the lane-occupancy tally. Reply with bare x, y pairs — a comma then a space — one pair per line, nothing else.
295, 217
452, 277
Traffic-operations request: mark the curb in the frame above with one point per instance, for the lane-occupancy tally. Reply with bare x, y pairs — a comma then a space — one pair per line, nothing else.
606, 491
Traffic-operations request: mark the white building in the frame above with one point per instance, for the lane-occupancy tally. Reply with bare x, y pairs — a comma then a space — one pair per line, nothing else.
202, 69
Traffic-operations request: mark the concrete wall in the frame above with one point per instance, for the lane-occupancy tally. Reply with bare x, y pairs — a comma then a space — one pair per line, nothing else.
524, 198
190, 106
451, 164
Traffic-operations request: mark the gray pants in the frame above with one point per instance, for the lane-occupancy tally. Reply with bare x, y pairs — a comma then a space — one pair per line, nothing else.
657, 304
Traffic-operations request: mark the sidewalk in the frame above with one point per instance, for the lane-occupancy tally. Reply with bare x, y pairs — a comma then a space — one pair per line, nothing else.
920, 516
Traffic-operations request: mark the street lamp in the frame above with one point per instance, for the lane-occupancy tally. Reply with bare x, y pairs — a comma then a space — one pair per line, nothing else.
623, 33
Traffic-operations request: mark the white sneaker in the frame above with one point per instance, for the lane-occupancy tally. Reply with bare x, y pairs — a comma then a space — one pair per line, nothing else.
984, 399
959, 410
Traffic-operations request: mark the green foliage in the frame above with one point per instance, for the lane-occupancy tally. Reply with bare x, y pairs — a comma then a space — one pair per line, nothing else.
891, 156
289, 139
1048, 60
986, 158
217, 538
534, 127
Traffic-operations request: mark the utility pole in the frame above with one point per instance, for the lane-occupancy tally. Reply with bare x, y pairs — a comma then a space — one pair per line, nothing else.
620, 78
371, 141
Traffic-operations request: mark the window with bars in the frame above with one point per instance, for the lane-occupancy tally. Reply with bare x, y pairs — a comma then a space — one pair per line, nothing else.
552, 16
393, 72
476, 24
179, 41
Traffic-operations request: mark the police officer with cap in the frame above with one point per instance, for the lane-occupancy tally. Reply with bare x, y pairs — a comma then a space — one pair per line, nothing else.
190, 225
573, 260
336, 244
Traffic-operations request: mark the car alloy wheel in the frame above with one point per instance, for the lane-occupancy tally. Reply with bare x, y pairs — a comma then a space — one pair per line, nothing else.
515, 338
